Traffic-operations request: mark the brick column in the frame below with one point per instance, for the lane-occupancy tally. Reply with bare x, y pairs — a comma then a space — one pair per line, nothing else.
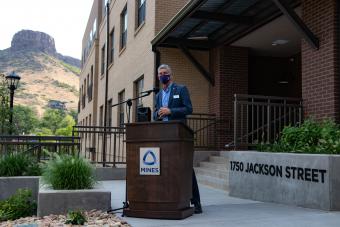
320, 68
230, 67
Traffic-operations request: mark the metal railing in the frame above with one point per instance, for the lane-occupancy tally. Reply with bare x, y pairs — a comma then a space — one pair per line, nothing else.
260, 119
91, 144
204, 127
91, 139
39, 146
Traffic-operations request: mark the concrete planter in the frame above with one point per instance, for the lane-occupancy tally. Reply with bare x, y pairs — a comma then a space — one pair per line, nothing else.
109, 173
307, 180
9, 185
61, 201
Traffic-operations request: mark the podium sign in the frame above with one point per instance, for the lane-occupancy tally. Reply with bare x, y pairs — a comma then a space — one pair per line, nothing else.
159, 158
149, 161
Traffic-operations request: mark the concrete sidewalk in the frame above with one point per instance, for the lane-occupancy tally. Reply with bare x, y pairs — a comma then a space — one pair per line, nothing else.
221, 210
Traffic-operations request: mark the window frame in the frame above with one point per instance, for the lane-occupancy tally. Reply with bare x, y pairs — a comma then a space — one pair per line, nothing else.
123, 27
140, 8
109, 113
138, 88
112, 45
120, 109
102, 65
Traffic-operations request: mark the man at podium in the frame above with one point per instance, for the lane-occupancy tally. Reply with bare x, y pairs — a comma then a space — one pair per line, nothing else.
173, 103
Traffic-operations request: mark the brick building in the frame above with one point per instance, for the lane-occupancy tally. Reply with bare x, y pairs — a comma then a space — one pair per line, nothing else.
266, 49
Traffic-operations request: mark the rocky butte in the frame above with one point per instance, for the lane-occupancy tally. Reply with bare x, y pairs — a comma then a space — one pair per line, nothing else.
45, 74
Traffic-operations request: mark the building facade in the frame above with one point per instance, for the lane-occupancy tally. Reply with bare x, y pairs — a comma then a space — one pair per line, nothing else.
217, 48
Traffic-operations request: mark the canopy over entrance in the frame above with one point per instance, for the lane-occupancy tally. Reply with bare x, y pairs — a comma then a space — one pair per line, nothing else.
204, 24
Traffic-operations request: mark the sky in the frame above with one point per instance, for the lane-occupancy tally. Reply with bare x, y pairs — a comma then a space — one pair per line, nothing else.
64, 20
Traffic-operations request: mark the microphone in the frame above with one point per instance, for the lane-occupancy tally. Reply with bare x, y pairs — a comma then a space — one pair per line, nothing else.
150, 91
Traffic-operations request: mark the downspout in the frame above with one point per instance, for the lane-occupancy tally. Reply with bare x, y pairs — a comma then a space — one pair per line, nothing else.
337, 29
106, 79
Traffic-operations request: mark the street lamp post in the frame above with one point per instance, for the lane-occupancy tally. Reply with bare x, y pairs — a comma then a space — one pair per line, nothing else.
12, 81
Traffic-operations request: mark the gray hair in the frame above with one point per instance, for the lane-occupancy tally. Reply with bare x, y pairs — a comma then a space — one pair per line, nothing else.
166, 67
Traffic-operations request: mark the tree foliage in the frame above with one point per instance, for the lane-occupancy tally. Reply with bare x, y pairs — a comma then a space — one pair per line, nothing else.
56, 122
24, 120
4, 106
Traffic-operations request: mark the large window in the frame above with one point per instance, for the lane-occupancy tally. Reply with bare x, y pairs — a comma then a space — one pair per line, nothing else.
140, 12
104, 2
123, 22
139, 86
101, 115
85, 92
90, 91
103, 60
109, 113
112, 42
121, 97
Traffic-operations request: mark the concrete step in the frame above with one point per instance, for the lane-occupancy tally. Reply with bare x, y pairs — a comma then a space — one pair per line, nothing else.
222, 174
219, 159
212, 182
216, 166
224, 154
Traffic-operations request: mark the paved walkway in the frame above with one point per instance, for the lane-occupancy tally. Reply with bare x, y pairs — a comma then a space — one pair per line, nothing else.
219, 209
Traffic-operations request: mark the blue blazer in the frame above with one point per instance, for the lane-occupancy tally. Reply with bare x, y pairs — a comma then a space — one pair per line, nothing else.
179, 103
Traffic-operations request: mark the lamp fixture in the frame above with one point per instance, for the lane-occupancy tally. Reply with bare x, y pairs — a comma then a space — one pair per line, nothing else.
280, 42
198, 38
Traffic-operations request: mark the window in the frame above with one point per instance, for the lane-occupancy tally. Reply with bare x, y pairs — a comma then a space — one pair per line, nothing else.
104, 2
121, 97
123, 22
140, 12
109, 113
139, 85
88, 88
112, 39
90, 91
101, 112
94, 29
103, 60
90, 123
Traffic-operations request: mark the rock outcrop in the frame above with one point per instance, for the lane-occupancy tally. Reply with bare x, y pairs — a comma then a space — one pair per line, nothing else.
34, 41
27, 40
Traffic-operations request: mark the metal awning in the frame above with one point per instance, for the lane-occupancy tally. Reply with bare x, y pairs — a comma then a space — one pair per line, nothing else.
204, 24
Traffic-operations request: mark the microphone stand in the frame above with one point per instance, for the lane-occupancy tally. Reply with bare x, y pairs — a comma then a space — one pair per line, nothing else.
128, 104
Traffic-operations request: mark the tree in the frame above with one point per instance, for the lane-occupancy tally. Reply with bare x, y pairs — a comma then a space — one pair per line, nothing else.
24, 120
52, 119
56, 122
4, 106
74, 114
67, 126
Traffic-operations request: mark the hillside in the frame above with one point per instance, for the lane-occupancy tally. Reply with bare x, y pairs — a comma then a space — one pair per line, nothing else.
45, 74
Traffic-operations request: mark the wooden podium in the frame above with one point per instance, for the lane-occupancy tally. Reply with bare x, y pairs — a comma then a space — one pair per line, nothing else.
167, 195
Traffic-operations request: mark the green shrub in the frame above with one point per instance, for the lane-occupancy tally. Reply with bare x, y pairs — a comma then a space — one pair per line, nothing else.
67, 172
310, 137
18, 205
75, 218
19, 165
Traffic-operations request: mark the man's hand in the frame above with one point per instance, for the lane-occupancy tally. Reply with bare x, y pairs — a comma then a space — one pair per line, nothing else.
164, 111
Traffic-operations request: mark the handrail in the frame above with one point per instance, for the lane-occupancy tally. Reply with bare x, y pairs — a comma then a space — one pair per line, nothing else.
266, 97
259, 117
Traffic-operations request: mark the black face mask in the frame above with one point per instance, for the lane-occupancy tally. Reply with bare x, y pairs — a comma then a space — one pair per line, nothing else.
164, 78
